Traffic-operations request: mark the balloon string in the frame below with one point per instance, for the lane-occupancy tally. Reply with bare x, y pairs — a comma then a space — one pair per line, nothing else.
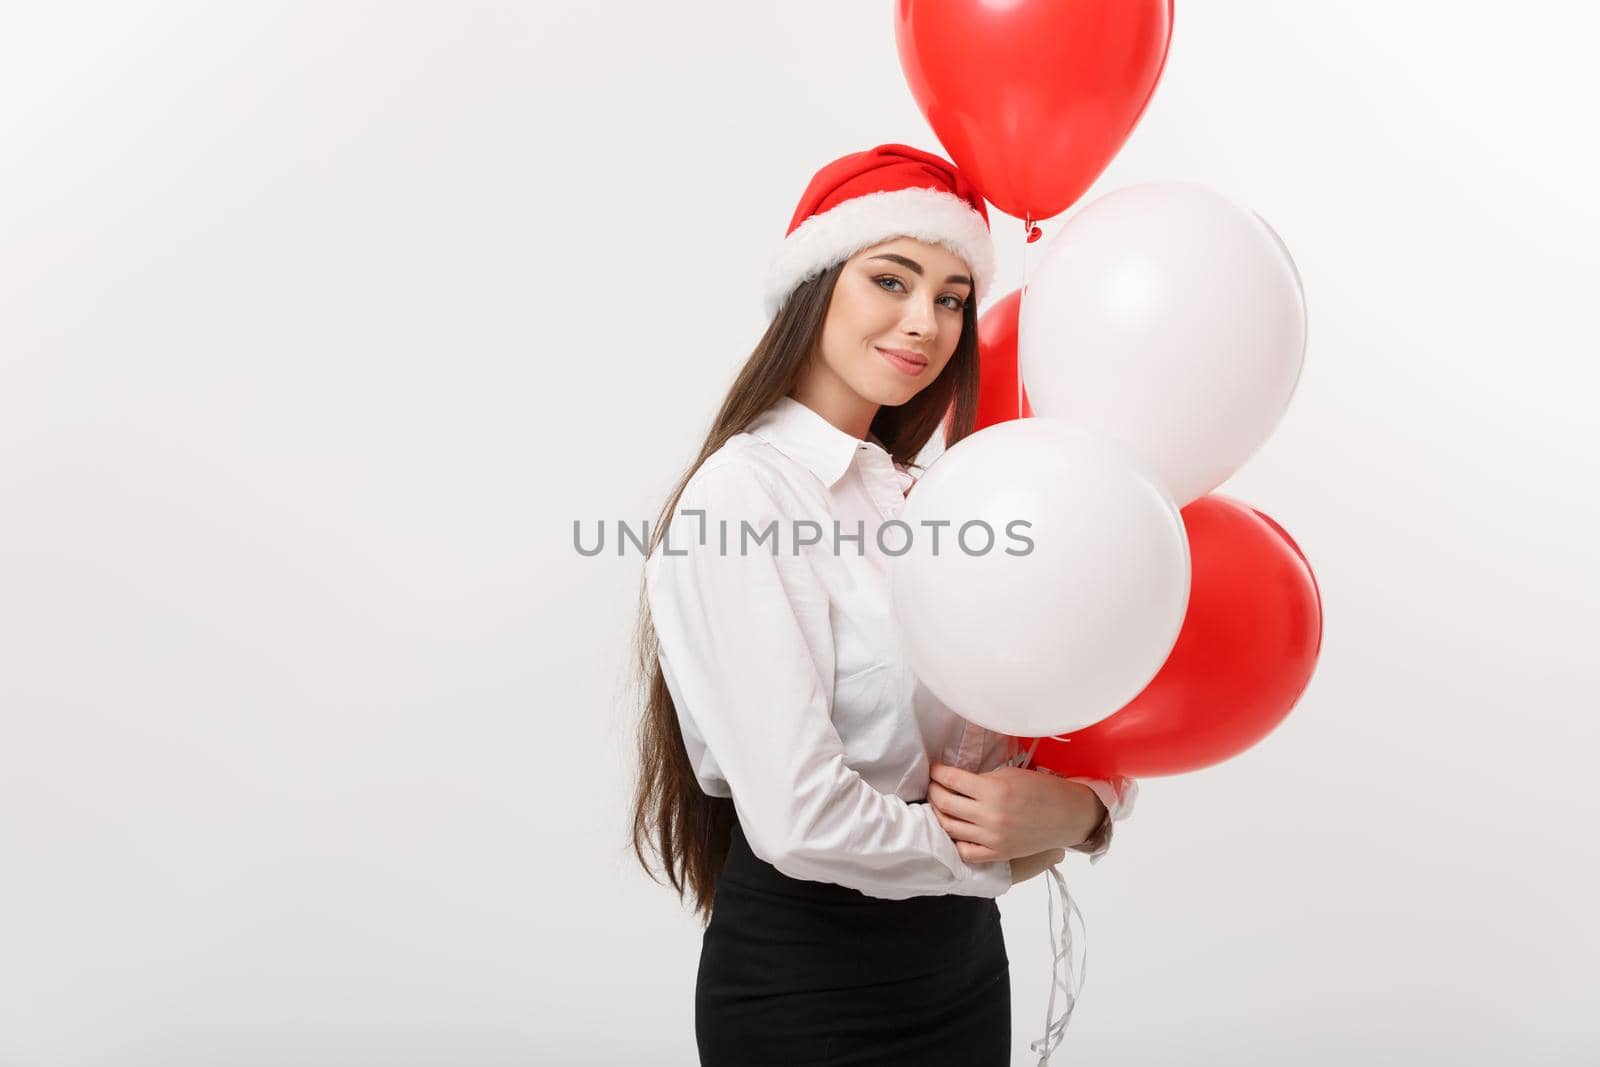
1025, 759
1060, 951
1055, 1029
1032, 233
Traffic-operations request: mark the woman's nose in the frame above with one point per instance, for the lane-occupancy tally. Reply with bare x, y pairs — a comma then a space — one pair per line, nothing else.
920, 319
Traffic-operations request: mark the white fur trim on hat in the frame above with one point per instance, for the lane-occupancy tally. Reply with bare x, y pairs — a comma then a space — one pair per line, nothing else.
835, 235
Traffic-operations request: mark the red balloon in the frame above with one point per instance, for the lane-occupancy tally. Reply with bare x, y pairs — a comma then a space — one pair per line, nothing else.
1246, 652
997, 364
1032, 98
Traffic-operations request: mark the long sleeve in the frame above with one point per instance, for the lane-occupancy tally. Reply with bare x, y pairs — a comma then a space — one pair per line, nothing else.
746, 649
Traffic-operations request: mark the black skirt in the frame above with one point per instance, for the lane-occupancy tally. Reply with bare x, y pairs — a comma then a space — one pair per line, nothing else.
798, 972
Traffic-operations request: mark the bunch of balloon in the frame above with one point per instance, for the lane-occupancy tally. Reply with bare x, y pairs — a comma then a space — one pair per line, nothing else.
1148, 628
1172, 320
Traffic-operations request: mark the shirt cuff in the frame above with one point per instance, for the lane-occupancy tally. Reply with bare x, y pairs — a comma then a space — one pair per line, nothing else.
988, 879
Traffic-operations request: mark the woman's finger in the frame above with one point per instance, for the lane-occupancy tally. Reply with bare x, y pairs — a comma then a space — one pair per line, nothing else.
953, 803
961, 781
971, 853
960, 830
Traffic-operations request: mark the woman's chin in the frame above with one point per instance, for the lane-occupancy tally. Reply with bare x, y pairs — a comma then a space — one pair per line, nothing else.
891, 392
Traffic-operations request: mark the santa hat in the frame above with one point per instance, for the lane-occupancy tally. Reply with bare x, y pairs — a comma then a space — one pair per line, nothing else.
870, 197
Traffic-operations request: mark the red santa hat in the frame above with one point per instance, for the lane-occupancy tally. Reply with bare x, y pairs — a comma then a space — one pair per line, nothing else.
870, 197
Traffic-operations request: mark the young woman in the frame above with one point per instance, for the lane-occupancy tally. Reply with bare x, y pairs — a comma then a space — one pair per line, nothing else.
850, 829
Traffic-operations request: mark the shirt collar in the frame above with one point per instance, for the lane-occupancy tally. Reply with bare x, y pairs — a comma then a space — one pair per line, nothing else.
809, 439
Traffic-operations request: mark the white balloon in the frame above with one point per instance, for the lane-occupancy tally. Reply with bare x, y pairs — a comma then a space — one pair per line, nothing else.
1040, 640
1172, 320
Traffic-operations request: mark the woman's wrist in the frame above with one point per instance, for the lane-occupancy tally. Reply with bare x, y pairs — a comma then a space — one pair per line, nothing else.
1090, 816
1097, 836
1025, 867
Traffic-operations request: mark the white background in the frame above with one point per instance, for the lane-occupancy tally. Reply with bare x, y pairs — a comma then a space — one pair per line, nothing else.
323, 322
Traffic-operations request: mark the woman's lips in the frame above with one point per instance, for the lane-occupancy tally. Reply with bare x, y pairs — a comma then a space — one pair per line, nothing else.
905, 362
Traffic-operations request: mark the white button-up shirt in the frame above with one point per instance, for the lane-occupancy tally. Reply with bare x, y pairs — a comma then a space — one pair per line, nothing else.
791, 686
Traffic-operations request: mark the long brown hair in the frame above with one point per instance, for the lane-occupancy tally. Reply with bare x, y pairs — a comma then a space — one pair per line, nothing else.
687, 830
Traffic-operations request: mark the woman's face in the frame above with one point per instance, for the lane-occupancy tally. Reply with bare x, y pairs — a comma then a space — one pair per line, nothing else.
895, 318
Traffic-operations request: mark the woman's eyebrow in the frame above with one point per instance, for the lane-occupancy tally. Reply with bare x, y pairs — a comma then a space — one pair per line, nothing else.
911, 264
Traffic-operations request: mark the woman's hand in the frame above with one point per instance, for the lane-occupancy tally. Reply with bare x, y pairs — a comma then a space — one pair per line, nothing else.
1025, 867
1011, 812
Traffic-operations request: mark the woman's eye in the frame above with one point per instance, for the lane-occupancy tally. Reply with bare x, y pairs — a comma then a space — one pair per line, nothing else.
887, 280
